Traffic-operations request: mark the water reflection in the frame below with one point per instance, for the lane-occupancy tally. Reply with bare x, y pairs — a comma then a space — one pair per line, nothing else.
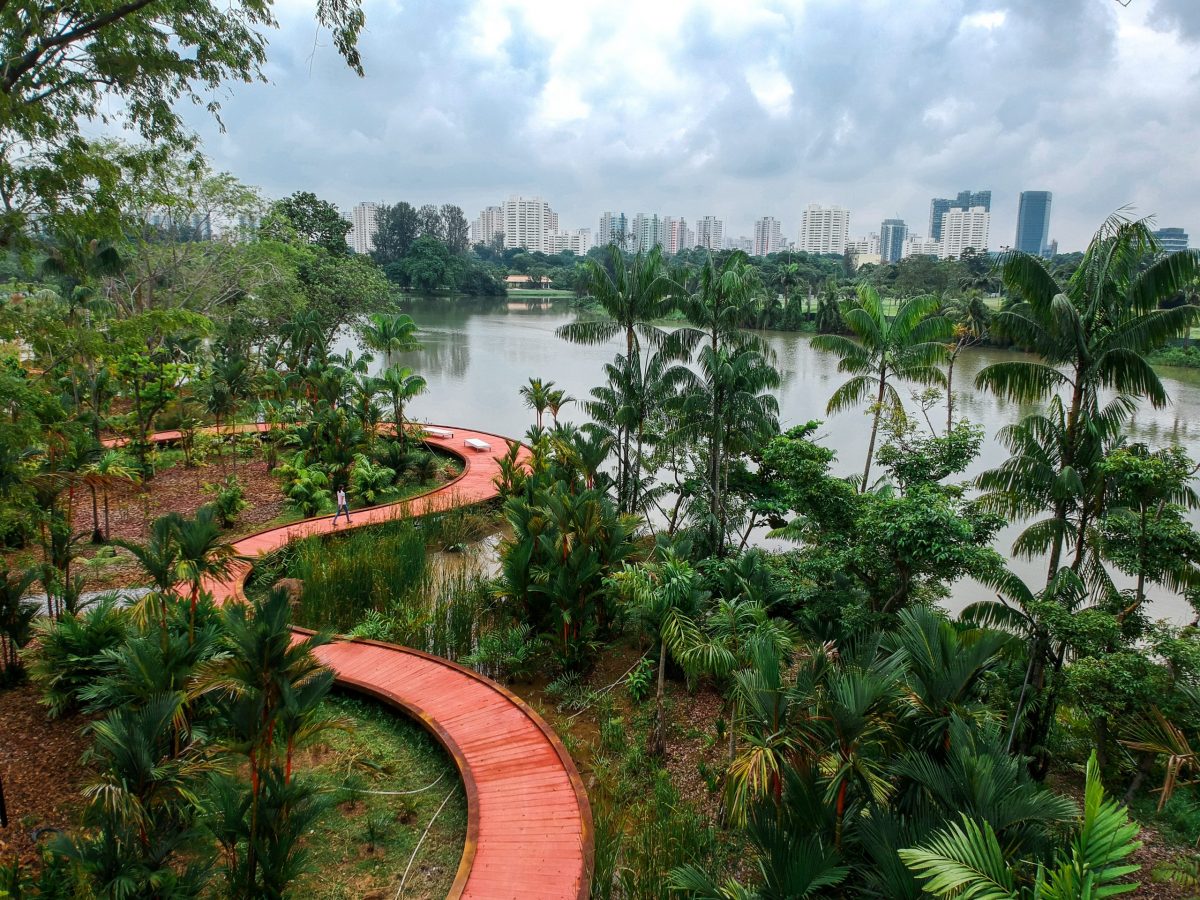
476, 355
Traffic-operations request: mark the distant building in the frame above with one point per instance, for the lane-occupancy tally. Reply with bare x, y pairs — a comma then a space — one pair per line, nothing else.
915, 245
676, 233
1052, 249
1172, 240
743, 243
647, 231
690, 241
614, 229
892, 234
363, 225
1033, 222
489, 224
525, 282
767, 237
939, 206
529, 222
824, 229
577, 240
710, 233
964, 229
864, 246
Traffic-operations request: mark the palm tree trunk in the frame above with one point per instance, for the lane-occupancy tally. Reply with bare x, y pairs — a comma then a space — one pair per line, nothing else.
874, 431
950, 392
659, 741
97, 535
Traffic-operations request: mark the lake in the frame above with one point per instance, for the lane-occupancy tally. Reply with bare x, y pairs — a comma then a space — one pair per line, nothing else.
476, 356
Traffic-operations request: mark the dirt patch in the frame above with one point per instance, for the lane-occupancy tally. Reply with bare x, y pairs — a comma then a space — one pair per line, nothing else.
41, 769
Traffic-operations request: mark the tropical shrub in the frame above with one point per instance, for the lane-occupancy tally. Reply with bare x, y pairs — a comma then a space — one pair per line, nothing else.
72, 650
229, 499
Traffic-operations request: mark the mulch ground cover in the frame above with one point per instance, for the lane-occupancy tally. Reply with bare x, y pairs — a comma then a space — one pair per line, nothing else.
41, 770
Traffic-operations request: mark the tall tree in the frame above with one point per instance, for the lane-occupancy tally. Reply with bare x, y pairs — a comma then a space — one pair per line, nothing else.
908, 346
457, 230
430, 224
63, 60
314, 220
396, 230
1092, 333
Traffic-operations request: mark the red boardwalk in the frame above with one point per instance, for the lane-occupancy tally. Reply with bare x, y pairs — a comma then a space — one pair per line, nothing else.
529, 826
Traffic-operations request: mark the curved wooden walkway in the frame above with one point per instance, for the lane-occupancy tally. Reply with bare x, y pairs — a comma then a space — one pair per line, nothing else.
529, 825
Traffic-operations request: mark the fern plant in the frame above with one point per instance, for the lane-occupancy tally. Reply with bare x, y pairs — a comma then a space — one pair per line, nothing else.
371, 480
966, 861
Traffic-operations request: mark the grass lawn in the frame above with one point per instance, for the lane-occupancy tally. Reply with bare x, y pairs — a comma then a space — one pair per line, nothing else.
362, 843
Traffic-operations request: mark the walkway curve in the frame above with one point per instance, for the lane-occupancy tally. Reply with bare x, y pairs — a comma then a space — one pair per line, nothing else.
529, 824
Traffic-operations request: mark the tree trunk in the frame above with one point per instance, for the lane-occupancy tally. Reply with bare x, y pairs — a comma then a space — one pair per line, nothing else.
658, 740
97, 534
874, 431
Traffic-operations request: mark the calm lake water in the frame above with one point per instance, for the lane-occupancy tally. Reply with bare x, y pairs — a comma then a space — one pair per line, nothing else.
476, 357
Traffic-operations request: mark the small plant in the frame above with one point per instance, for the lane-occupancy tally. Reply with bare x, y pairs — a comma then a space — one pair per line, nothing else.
371, 480
376, 829
508, 653
640, 680
613, 735
229, 499
569, 692
306, 487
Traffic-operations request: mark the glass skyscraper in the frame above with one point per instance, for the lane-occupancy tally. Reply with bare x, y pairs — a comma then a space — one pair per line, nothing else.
1033, 222
892, 235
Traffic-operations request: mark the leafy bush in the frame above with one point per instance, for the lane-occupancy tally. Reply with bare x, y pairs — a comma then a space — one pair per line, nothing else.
306, 487
71, 652
640, 681
229, 499
424, 466
393, 455
507, 653
370, 479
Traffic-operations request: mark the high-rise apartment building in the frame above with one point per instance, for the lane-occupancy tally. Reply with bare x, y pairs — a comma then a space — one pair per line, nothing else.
710, 233
363, 227
964, 229
529, 222
689, 242
647, 232
489, 223
892, 235
1172, 240
577, 240
824, 229
864, 246
767, 236
614, 229
939, 206
915, 245
1033, 222
676, 233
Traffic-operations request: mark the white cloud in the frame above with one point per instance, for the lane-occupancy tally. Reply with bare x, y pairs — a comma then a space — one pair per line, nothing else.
738, 109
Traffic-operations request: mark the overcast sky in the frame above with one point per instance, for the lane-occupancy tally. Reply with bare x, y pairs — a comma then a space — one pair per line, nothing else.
736, 108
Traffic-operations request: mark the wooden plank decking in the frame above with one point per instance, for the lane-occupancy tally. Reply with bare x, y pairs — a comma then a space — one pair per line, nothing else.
529, 825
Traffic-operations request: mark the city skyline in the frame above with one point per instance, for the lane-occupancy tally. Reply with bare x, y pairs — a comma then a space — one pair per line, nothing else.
536, 107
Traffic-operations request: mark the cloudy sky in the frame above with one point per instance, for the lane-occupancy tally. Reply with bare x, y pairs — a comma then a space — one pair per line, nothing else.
738, 109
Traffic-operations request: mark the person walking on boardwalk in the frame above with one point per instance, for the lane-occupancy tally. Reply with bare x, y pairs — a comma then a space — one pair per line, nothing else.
342, 506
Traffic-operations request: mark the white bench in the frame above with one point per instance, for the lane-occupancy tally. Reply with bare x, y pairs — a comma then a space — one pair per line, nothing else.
477, 444
438, 432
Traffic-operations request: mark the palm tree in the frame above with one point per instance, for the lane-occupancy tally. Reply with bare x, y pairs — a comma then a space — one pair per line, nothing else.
203, 553
715, 312
537, 395
663, 597
269, 687
102, 473
967, 860
908, 346
1092, 333
556, 400
730, 407
159, 558
390, 333
632, 296
971, 319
